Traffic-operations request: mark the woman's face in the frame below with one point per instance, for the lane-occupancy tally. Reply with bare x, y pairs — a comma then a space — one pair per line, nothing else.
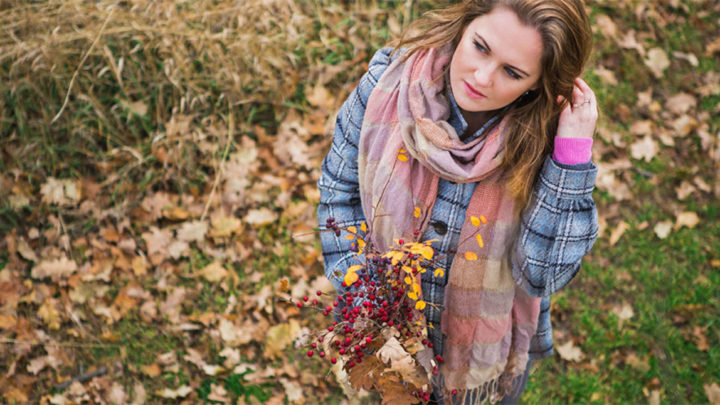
496, 61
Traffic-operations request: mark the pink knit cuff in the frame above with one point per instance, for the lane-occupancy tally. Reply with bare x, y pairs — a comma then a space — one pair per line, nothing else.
572, 151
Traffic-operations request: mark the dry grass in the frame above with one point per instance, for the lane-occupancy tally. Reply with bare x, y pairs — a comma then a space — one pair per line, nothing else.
114, 85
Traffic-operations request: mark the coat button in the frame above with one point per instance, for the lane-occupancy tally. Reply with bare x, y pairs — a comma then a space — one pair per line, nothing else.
440, 227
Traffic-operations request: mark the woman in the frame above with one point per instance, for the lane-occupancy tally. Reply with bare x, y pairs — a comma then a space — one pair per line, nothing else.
485, 105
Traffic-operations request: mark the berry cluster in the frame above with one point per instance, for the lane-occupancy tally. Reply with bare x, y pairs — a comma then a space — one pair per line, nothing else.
380, 298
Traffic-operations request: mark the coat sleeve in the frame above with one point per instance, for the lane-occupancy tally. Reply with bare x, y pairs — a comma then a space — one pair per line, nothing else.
338, 184
557, 229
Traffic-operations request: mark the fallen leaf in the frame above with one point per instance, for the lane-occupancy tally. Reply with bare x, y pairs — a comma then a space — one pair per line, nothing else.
213, 272
60, 192
662, 229
117, 394
623, 312
222, 227
279, 337
713, 393
260, 217
657, 61
654, 397
618, 232
180, 392
637, 363
701, 338
192, 231
687, 218
293, 391
56, 269
644, 149
569, 351
681, 103
684, 190
151, 370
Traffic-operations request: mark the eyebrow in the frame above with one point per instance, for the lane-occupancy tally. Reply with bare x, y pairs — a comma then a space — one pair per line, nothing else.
485, 44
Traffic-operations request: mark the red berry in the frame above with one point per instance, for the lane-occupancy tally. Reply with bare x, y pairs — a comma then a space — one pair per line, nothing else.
321, 354
315, 302
439, 358
351, 364
313, 345
310, 353
305, 298
391, 323
402, 242
330, 328
454, 392
319, 293
333, 360
342, 351
299, 304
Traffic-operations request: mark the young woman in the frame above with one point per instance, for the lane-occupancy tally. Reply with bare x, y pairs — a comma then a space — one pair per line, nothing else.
485, 102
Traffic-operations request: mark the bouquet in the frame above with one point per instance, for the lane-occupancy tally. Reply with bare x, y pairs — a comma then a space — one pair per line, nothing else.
377, 339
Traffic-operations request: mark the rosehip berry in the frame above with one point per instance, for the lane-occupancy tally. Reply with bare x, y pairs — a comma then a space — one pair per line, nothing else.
310, 353
333, 360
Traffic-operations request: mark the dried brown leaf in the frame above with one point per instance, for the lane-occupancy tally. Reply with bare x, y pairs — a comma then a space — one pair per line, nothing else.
687, 218
713, 393
570, 352
657, 61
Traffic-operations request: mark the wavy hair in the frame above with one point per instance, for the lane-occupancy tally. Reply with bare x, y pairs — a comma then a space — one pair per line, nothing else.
566, 37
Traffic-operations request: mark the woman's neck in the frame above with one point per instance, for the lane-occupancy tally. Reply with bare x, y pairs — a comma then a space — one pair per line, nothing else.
475, 121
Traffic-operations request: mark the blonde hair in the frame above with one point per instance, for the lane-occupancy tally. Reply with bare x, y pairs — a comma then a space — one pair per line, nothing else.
566, 36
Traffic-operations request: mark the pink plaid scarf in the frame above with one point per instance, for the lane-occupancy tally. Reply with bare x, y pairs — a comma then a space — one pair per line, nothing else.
406, 145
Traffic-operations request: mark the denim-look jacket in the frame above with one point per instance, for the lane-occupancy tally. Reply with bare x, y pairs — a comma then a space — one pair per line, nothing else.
558, 227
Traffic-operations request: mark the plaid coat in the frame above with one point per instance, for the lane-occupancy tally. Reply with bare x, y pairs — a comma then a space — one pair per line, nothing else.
557, 229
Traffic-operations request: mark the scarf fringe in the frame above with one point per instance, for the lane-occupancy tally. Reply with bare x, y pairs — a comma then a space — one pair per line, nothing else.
492, 391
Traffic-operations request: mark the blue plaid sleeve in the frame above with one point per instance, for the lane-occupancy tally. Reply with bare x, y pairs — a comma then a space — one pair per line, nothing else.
339, 189
557, 229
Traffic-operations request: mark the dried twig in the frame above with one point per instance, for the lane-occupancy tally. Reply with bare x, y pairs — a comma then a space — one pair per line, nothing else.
82, 378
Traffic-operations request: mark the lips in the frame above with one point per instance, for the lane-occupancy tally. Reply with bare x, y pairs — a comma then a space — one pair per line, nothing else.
472, 92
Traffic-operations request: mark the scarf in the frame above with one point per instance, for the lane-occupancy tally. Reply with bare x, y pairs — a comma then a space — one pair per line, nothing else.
406, 146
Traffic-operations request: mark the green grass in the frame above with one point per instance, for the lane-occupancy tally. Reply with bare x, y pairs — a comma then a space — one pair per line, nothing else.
661, 280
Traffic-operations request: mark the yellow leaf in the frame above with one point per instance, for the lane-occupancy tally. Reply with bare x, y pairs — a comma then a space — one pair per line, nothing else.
349, 237
352, 229
430, 325
427, 252
475, 221
407, 269
428, 242
361, 245
439, 273
470, 256
408, 280
402, 157
479, 240
417, 212
354, 268
350, 278
420, 305
416, 288
363, 226
413, 295
482, 218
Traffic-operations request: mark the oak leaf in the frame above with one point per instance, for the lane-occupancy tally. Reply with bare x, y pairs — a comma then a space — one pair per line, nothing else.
56, 269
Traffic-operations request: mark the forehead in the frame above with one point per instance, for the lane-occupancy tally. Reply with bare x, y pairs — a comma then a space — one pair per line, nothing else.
509, 39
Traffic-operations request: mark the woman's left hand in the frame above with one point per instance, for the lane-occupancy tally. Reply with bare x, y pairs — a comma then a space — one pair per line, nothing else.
578, 118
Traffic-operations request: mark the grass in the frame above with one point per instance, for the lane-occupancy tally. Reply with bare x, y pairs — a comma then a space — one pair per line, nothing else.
150, 109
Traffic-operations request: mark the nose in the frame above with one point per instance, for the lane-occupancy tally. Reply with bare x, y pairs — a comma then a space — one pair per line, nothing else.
483, 74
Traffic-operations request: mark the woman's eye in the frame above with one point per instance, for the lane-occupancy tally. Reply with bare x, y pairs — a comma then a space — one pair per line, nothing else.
479, 47
512, 73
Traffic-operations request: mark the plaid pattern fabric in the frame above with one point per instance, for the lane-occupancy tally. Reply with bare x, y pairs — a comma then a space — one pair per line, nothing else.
557, 228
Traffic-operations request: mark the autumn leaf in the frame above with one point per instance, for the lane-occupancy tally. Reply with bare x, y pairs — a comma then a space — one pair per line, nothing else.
662, 229
180, 392
364, 374
689, 219
657, 60
56, 269
568, 351
213, 272
644, 149
420, 305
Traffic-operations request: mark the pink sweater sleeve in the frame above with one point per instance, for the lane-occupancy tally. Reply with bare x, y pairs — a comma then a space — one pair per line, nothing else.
572, 151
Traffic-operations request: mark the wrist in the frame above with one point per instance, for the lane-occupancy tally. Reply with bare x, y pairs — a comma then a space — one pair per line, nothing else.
572, 151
